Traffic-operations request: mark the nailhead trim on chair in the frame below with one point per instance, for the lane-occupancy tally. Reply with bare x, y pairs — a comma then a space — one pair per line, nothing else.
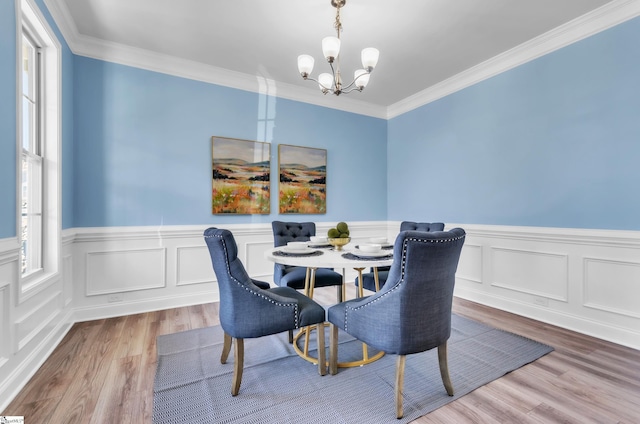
287, 305
404, 256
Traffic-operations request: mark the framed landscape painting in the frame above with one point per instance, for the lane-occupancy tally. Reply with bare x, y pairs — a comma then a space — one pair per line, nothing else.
241, 176
302, 179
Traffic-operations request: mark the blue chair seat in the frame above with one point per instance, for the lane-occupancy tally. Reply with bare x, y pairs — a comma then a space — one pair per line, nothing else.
370, 282
294, 277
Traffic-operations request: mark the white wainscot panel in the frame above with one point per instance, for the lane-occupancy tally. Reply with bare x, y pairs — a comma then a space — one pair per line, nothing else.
5, 319
194, 266
125, 270
67, 279
256, 264
470, 265
533, 272
612, 286
33, 323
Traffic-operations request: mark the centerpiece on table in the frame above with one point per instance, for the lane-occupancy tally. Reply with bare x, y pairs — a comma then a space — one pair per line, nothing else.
339, 236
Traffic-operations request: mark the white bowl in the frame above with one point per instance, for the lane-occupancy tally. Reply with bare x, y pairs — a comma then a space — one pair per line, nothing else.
370, 248
297, 245
378, 240
318, 239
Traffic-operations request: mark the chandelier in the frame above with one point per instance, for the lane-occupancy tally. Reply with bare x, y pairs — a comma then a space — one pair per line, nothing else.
332, 82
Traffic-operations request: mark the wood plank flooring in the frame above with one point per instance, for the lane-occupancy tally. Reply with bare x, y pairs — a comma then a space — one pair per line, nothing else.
102, 372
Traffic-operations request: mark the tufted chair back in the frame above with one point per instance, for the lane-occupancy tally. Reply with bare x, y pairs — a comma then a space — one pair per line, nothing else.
421, 226
284, 232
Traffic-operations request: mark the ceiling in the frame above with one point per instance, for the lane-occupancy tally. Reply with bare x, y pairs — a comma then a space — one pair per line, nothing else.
422, 42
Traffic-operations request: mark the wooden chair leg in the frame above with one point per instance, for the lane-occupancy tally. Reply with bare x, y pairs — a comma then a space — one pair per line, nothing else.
322, 355
444, 368
226, 348
237, 367
399, 383
333, 350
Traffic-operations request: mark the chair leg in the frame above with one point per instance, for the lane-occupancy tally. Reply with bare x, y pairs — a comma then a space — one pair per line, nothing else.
399, 383
333, 350
290, 336
237, 367
322, 355
444, 368
226, 348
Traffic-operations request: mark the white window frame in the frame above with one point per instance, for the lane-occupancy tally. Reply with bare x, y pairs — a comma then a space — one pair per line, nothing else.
31, 19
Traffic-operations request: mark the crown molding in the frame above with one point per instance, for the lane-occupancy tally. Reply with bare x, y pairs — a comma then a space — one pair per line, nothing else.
598, 20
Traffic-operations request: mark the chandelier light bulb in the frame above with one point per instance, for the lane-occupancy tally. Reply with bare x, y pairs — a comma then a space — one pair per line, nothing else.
361, 78
370, 58
330, 48
325, 81
305, 65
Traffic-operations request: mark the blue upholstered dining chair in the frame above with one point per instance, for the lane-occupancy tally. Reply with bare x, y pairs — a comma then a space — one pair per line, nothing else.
248, 311
294, 276
383, 272
412, 312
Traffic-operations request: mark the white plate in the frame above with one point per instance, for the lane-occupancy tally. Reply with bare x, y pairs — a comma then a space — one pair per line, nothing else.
378, 254
304, 251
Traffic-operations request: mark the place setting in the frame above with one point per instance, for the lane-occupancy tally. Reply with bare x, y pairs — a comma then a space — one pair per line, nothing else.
370, 251
297, 248
318, 242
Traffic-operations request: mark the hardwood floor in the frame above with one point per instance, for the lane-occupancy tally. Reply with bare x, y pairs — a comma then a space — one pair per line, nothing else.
102, 372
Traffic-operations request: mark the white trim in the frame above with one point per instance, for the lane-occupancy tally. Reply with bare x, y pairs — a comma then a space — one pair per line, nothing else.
30, 14
598, 20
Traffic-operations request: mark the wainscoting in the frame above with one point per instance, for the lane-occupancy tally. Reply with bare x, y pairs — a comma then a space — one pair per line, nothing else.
584, 280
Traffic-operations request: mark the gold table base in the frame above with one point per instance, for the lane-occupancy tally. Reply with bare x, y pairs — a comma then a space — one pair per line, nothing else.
304, 353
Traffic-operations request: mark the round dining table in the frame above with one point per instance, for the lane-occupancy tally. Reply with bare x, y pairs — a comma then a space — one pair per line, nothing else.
326, 256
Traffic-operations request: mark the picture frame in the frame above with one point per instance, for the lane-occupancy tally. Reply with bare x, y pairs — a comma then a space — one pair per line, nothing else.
302, 180
241, 174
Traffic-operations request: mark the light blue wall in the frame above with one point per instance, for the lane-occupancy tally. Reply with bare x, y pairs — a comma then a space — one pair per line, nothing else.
7, 119
143, 152
555, 142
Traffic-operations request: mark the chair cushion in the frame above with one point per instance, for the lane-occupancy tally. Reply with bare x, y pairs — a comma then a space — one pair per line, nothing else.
370, 282
261, 284
294, 277
309, 311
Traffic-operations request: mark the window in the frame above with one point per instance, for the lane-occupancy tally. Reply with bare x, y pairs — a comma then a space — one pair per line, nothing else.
31, 160
38, 153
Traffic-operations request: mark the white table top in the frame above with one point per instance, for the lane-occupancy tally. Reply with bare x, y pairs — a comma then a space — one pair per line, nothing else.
329, 259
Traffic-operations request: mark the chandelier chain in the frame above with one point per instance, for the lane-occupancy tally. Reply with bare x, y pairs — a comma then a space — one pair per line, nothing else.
338, 24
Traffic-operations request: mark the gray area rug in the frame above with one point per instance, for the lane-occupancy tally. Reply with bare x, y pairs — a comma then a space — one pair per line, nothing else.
191, 386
